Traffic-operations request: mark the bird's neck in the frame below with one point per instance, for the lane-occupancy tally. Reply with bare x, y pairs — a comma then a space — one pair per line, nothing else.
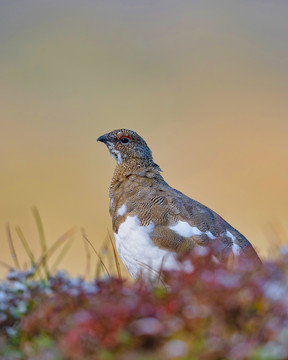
139, 168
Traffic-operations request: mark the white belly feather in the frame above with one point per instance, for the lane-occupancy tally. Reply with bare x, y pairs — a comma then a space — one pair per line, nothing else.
138, 252
140, 255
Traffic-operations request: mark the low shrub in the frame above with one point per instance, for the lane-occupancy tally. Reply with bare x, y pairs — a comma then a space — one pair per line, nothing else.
209, 313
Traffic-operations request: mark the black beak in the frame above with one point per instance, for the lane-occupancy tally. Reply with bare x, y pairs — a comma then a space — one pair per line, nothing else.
102, 138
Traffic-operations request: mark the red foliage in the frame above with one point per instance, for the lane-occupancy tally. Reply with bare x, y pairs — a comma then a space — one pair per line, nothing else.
210, 313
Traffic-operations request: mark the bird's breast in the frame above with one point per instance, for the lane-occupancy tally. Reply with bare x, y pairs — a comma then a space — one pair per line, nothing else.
139, 253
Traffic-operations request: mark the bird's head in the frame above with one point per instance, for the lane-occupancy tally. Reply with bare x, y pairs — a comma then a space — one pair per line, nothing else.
126, 146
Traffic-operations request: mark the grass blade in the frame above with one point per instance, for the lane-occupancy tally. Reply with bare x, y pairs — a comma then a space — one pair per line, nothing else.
159, 278
59, 258
88, 257
7, 266
12, 248
55, 246
95, 251
25, 245
118, 268
42, 240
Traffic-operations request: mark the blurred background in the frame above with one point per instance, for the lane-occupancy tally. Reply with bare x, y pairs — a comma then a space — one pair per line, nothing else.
204, 82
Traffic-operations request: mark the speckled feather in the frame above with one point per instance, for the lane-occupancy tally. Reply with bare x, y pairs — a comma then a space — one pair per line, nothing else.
138, 185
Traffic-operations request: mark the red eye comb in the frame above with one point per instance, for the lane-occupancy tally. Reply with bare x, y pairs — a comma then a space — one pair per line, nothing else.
125, 136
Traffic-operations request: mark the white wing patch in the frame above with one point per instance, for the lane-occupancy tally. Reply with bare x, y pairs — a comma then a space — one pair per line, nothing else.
122, 210
210, 235
182, 228
138, 252
228, 233
235, 247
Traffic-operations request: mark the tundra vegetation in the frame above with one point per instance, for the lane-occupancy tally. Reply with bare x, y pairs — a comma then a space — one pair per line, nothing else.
211, 312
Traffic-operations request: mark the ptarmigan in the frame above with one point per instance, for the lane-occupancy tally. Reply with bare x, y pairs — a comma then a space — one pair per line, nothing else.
152, 222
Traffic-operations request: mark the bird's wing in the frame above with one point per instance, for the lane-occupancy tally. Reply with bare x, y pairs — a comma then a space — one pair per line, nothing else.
182, 223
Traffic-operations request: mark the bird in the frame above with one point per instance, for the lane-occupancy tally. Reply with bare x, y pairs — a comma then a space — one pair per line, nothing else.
153, 223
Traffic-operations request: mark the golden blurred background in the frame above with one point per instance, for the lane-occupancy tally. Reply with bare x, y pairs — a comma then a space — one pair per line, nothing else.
204, 82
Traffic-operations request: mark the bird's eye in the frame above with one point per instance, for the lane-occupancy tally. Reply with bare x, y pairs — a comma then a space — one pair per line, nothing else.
125, 139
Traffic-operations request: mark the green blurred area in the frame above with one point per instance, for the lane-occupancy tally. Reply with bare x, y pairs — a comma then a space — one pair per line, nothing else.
204, 82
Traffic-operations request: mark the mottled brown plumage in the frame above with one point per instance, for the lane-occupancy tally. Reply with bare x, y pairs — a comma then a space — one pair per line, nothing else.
138, 191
